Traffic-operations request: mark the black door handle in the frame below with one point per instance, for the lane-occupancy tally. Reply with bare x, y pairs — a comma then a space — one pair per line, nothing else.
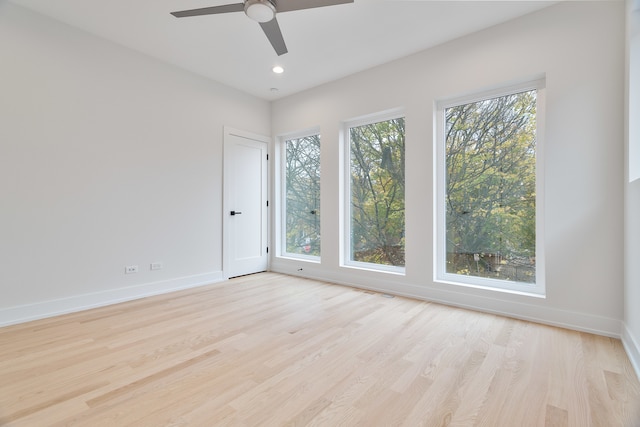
236, 213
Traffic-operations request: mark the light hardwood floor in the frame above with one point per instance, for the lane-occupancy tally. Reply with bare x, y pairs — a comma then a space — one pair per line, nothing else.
274, 350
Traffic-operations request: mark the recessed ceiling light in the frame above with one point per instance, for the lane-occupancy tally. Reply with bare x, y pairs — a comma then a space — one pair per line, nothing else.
278, 69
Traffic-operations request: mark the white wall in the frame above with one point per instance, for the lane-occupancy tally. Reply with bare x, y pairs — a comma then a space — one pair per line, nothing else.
631, 332
107, 158
580, 48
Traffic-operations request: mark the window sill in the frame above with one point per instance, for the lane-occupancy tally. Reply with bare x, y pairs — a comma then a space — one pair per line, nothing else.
305, 258
538, 292
398, 271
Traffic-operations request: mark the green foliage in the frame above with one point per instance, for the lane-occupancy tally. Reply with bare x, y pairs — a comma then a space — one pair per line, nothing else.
491, 185
377, 192
303, 195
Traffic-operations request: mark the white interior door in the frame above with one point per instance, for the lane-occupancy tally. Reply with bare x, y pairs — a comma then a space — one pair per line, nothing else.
245, 216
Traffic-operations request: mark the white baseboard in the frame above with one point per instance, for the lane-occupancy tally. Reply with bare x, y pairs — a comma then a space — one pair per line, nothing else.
508, 306
41, 310
632, 348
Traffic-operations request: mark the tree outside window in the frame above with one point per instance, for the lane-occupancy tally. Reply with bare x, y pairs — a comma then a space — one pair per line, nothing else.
490, 188
302, 200
377, 191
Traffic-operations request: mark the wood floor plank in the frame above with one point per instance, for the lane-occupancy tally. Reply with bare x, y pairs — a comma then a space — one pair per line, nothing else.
276, 350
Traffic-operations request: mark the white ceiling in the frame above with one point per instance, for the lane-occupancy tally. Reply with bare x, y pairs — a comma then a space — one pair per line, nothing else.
324, 44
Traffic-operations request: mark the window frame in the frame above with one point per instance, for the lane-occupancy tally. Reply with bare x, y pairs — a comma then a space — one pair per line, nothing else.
537, 289
282, 234
387, 115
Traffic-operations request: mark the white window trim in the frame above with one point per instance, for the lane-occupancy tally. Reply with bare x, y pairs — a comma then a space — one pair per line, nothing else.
537, 289
281, 226
391, 114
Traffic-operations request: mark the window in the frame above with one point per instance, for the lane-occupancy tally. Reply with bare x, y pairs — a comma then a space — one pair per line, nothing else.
487, 197
301, 219
375, 226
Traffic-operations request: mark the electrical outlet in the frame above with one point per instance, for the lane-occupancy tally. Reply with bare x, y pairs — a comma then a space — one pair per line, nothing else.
130, 269
156, 266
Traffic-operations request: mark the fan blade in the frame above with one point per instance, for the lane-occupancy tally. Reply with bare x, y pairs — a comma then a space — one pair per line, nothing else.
237, 7
272, 30
289, 5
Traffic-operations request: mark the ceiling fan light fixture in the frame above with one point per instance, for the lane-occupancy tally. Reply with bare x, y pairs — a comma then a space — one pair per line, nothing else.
260, 10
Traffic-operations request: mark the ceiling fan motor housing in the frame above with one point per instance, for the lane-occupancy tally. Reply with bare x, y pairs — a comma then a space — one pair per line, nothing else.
260, 10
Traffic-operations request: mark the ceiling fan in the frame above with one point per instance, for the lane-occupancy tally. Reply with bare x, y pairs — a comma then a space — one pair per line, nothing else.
263, 12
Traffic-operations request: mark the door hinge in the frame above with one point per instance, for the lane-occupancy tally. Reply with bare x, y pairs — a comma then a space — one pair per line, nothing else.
267, 157
267, 203
267, 249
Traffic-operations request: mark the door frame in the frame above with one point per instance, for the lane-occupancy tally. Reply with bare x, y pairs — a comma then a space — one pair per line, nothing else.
226, 207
